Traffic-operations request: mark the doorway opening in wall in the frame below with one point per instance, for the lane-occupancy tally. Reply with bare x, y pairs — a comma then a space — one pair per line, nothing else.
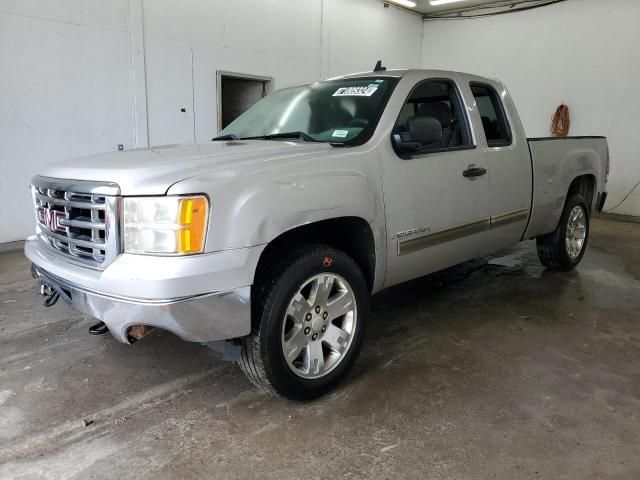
237, 92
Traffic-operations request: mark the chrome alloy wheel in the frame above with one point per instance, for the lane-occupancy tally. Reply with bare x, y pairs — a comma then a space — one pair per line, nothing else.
319, 325
576, 232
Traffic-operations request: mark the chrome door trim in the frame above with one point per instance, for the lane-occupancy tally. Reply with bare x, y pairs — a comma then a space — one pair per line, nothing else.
414, 244
509, 217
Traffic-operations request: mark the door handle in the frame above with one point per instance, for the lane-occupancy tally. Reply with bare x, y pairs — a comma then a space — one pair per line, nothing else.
474, 171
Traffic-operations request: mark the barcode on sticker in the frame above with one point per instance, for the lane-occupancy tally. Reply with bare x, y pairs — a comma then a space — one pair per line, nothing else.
356, 91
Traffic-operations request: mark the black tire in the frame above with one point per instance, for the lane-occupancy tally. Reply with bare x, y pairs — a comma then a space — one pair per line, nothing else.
552, 249
262, 358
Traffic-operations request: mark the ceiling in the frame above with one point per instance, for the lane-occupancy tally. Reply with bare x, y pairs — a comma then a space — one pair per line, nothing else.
424, 6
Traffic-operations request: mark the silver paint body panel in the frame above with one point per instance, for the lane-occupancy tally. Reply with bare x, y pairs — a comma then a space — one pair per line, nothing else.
261, 189
198, 318
556, 163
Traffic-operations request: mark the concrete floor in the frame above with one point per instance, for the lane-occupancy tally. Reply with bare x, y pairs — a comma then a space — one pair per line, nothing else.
493, 369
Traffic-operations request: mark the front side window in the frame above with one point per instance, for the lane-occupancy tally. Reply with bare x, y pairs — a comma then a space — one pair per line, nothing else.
432, 119
344, 111
494, 121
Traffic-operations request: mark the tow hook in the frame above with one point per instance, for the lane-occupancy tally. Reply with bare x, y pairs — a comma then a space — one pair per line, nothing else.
50, 294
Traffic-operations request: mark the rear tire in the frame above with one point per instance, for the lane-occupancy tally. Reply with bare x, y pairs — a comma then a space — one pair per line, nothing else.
564, 248
309, 321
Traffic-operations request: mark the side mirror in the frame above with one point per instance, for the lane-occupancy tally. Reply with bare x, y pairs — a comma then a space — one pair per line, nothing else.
420, 133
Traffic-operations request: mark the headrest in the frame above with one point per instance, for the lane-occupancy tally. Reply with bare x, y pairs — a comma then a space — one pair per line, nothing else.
426, 130
439, 110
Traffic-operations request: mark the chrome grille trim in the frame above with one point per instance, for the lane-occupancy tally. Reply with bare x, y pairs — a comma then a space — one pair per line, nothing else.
78, 219
99, 188
76, 242
82, 224
65, 202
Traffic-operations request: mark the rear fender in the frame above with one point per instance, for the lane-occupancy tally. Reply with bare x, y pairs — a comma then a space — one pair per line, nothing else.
552, 178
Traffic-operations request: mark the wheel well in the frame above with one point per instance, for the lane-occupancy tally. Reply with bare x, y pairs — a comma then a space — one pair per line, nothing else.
352, 235
585, 185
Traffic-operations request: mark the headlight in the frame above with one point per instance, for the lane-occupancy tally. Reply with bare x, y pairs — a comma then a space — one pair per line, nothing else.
165, 225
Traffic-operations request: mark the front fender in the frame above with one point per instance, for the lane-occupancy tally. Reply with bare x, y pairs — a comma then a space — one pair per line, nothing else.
253, 205
268, 209
254, 209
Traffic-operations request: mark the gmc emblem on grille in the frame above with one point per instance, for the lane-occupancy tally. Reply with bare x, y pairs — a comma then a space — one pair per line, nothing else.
51, 218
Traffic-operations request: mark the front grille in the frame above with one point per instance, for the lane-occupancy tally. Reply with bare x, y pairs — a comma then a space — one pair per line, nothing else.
80, 224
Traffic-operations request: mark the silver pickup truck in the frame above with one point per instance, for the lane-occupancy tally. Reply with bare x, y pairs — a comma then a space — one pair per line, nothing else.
271, 238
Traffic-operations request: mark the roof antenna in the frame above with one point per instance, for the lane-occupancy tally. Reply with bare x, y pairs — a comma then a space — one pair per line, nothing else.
379, 67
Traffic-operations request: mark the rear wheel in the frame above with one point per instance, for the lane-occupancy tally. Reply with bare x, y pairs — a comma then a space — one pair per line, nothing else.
309, 324
564, 248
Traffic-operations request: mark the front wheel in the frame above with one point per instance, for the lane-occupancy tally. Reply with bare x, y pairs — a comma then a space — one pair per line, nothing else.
564, 248
309, 324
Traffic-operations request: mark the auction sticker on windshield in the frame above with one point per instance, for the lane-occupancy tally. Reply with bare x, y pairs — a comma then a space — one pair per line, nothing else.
340, 133
356, 91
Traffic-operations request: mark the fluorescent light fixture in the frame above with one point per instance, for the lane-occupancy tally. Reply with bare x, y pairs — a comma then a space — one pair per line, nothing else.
404, 3
435, 3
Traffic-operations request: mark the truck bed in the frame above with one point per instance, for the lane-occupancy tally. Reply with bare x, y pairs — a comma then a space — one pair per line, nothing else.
556, 162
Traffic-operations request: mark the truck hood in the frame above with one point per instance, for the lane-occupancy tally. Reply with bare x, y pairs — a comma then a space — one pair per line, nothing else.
152, 171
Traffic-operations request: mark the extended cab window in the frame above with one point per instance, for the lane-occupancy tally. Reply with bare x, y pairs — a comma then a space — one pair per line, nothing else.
494, 121
433, 105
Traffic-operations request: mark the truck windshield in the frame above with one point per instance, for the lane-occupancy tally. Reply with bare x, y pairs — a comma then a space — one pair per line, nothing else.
344, 111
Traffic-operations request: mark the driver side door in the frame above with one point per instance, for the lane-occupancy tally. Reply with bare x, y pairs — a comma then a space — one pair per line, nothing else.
436, 198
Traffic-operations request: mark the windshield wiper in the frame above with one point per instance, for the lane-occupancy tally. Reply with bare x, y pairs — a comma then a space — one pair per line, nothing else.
230, 136
299, 135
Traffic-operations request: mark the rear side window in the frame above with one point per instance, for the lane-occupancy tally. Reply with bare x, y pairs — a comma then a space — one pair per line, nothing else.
494, 120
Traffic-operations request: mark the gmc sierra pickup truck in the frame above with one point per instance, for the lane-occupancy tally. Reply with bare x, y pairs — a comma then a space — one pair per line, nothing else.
271, 238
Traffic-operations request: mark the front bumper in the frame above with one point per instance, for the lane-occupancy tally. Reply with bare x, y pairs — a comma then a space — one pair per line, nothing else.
211, 300
200, 318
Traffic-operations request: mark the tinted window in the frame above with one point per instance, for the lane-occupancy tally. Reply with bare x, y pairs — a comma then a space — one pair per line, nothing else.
439, 100
494, 121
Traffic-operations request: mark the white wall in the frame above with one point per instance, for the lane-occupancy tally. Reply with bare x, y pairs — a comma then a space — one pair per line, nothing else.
292, 41
581, 52
65, 90
82, 76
